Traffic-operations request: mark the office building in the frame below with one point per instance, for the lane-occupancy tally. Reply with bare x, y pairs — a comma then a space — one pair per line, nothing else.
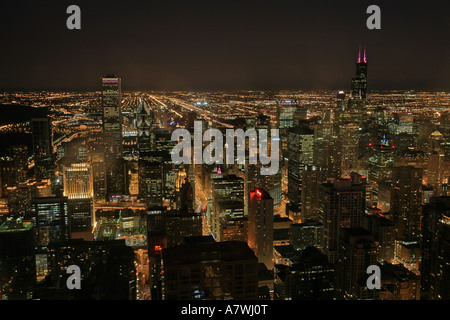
203, 269
51, 219
357, 251
260, 226
341, 205
112, 110
435, 264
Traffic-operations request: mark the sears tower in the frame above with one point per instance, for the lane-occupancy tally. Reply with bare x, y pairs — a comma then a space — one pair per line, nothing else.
357, 100
359, 82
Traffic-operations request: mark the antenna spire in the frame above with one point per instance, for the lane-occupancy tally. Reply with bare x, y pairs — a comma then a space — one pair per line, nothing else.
359, 54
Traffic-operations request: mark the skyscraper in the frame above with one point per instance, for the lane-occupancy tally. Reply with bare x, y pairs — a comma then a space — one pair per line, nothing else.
435, 265
17, 262
42, 136
78, 182
359, 82
357, 251
204, 269
311, 277
51, 219
357, 100
406, 202
342, 205
144, 122
260, 226
112, 110
301, 153
42, 147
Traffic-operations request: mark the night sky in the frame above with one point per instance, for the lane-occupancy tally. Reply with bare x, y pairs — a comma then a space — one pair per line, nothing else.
223, 45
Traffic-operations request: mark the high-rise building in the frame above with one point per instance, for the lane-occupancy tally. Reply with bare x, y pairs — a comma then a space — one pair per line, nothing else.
203, 269
42, 137
438, 172
311, 277
342, 205
398, 283
20, 155
359, 82
228, 201
357, 251
78, 181
381, 165
180, 225
312, 177
19, 201
151, 184
357, 100
309, 233
51, 219
144, 121
383, 230
260, 226
349, 136
81, 219
301, 154
289, 112
7, 174
406, 202
17, 261
112, 110
107, 269
435, 264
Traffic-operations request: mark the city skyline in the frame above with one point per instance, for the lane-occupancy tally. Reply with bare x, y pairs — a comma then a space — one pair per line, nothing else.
143, 171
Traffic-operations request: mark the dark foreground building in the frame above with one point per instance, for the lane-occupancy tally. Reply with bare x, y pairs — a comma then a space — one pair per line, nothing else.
209, 270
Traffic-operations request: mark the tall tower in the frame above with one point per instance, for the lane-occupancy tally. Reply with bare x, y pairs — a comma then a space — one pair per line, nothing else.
300, 154
144, 122
359, 82
406, 202
42, 148
341, 205
260, 226
112, 110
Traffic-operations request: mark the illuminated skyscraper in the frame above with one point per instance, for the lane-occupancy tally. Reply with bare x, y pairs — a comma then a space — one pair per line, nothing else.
78, 182
144, 122
312, 177
349, 136
341, 205
359, 82
112, 110
301, 153
151, 183
406, 202
357, 100
20, 156
51, 219
260, 226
